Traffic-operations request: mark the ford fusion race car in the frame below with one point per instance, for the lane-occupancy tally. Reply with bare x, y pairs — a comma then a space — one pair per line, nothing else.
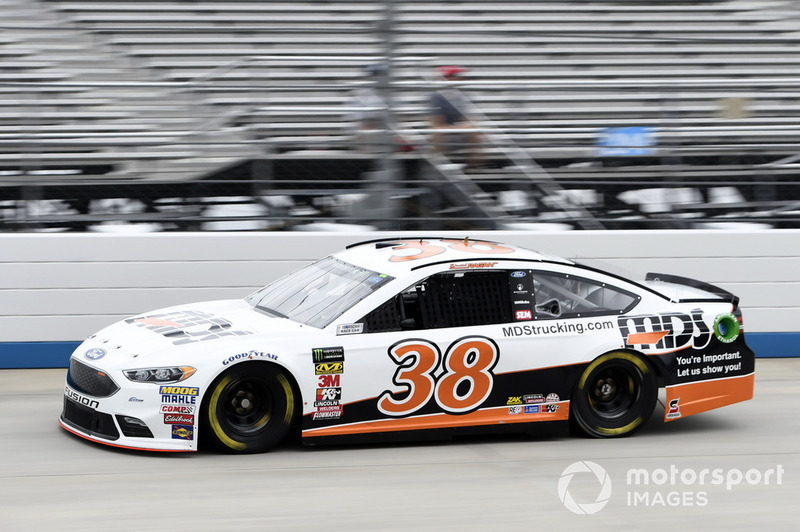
411, 338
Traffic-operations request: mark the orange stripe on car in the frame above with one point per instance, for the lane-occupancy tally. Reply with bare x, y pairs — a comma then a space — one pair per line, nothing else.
486, 416
695, 397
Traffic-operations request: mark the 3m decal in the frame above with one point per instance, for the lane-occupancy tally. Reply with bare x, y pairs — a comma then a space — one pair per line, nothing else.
187, 326
328, 368
329, 381
422, 249
465, 383
670, 331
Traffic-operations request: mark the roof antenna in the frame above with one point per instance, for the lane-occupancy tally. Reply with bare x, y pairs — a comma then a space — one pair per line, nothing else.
466, 241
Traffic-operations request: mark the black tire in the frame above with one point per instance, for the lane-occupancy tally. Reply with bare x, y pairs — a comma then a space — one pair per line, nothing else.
614, 396
248, 409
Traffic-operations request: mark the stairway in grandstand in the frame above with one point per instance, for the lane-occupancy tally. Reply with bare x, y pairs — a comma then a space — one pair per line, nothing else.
174, 90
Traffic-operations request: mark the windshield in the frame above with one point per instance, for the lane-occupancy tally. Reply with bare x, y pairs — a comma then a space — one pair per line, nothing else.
319, 293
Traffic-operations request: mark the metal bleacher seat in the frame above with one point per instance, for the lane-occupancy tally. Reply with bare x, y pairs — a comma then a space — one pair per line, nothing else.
149, 75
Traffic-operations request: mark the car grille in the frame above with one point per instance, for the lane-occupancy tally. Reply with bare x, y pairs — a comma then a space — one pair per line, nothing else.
89, 380
91, 421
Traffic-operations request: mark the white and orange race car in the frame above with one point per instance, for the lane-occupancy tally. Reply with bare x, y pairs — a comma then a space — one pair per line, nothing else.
412, 338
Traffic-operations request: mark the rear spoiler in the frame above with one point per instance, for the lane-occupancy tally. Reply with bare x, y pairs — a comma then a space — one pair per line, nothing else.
676, 279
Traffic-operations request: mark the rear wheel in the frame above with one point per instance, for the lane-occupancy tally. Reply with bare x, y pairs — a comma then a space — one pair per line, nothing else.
615, 396
249, 409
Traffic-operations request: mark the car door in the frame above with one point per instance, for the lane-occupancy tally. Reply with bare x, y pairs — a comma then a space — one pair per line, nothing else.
427, 357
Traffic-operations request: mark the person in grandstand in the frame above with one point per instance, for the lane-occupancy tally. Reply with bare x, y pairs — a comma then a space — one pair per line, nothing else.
449, 111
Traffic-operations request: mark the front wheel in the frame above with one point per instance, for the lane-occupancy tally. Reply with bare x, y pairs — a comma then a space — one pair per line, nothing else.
249, 409
614, 396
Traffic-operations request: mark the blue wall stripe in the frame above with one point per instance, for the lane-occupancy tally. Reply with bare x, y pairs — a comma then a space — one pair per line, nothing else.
774, 345
36, 354
22, 355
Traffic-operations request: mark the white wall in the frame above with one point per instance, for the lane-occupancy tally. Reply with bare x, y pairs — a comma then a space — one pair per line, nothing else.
62, 287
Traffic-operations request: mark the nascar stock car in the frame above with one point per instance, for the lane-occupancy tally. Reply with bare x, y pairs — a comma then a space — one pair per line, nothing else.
412, 338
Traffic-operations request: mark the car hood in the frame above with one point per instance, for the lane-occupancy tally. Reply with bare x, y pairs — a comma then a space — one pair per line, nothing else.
176, 335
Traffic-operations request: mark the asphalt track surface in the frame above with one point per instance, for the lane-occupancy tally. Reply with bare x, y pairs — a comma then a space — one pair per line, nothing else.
51, 480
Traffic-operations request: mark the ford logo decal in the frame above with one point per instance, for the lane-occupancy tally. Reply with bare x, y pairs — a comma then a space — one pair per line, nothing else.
517, 274
96, 353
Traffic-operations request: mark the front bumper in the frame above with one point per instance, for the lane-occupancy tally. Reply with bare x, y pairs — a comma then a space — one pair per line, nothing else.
121, 413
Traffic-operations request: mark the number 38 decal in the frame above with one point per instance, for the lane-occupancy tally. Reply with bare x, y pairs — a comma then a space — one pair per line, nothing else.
464, 383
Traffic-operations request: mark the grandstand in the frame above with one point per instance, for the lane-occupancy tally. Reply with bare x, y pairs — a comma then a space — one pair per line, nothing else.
592, 109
